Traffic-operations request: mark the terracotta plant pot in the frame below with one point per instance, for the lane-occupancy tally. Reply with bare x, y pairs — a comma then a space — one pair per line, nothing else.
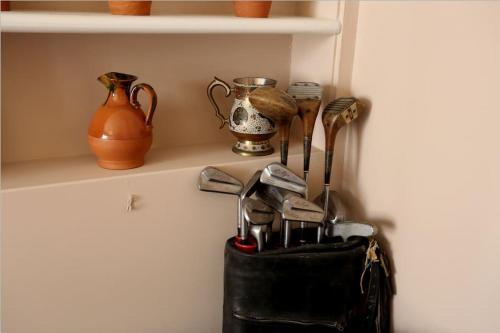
129, 7
252, 8
120, 134
5, 6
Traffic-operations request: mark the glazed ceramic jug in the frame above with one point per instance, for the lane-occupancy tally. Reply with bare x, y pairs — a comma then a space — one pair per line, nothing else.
251, 128
120, 134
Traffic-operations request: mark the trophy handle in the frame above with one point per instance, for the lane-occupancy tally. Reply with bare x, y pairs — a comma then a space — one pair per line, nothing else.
218, 82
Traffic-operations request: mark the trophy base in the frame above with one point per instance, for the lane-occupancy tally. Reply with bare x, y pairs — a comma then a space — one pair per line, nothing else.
253, 148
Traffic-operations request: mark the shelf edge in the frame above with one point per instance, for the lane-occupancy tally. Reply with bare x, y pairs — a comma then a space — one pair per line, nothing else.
39, 22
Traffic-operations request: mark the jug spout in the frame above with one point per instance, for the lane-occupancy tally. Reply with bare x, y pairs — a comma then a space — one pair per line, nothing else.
113, 80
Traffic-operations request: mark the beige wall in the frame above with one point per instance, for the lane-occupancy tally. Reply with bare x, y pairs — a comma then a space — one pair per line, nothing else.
424, 163
75, 261
64, 93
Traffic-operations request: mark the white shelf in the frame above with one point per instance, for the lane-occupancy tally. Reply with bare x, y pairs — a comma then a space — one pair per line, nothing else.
54, 171
59, 22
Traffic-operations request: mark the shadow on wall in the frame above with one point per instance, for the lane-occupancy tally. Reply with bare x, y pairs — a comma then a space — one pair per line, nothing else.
350, 187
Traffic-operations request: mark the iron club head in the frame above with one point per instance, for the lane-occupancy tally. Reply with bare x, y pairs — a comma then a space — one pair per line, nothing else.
278, 175
251, 186
273, 196
299, 209
214, 180
257, 212
247, 191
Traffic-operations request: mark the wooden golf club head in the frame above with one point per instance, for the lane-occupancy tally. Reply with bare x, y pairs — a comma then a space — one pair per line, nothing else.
279, 107
214, 180
336, 115
308, 97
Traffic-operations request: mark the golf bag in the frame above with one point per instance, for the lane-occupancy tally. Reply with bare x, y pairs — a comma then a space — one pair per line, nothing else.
336, 287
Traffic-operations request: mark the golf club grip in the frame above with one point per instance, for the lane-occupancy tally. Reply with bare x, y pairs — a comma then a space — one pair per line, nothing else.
328, 165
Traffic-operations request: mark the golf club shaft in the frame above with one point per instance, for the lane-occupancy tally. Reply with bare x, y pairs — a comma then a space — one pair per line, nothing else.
239, 212
308, 111
284, 129
287, 234
242, 224
307, 158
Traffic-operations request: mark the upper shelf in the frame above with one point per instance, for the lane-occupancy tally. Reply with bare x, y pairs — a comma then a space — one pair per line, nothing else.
44, 22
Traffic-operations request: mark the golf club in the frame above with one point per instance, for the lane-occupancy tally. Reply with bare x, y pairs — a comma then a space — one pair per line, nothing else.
247, 191
299, 209
215, 180
336, 115
258, 215
278, 106
291, 206
278, 175
337, 211
308, 96
352, 228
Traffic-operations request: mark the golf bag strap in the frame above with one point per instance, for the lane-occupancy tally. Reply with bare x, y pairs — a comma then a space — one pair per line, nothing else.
379, 291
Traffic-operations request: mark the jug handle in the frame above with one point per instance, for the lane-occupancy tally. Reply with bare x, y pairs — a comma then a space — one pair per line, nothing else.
218, 82
152, 97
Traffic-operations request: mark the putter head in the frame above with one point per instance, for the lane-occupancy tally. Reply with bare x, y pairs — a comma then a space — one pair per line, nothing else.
214, 180
351, 228
299, 209
273, 103
337, 211
278, 175
256, 212
305, 90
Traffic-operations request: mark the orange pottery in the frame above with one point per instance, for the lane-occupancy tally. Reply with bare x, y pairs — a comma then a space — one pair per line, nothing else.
252, 8
129, 7
120, 134
5, 6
